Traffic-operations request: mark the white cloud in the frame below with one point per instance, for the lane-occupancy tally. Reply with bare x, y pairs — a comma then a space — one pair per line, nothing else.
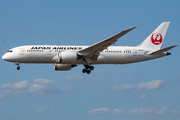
5, 94
66, 89
53, 112
38, 86
73, 77
17, 85
43, 81
140, 112
143, 96
42, 89
123, 87
117, 111
149, 111
177, 112
98, 111
151, 85
40, 110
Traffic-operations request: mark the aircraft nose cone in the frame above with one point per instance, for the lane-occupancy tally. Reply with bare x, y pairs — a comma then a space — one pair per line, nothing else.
4, 57
8, 57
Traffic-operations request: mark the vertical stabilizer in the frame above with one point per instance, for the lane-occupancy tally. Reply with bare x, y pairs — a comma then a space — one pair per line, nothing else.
155, 39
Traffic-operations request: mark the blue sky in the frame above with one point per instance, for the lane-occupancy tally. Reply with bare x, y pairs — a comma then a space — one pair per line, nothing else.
140, 91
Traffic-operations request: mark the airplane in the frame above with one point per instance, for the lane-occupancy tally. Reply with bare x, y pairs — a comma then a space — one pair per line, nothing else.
66, 57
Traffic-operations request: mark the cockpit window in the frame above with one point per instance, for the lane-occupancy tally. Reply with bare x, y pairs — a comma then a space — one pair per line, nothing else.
9, 51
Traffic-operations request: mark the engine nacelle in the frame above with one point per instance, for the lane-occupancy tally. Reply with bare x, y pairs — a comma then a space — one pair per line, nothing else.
68, 56
62, 67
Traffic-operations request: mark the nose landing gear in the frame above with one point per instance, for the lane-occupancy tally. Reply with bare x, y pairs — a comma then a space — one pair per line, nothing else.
88, 69
18, 67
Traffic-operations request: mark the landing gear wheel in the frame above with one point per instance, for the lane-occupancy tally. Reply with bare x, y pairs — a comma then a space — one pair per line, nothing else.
18, 68
84, 70
88, 71
91, 67
86, 66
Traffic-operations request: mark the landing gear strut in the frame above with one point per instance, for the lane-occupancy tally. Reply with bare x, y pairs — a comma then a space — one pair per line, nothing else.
18, 67
88, 69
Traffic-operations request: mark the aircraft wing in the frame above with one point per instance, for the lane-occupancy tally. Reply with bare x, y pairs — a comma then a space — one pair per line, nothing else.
92, 51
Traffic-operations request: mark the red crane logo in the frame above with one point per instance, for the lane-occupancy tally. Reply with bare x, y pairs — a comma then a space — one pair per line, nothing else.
156, 38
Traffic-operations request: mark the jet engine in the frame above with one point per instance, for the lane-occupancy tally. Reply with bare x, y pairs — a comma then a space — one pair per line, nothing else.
68, 56
63, 67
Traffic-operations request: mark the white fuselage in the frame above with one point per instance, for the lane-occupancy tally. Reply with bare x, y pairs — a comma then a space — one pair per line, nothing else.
67, 57
48, 53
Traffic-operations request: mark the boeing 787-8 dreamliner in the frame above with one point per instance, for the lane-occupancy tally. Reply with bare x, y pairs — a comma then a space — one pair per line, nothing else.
66, 57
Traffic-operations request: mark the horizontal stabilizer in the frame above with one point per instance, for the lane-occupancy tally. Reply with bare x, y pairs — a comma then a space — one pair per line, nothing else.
162, 50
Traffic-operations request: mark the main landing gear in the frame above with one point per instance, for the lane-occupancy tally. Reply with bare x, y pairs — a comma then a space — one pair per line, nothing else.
88, 69
18, 67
